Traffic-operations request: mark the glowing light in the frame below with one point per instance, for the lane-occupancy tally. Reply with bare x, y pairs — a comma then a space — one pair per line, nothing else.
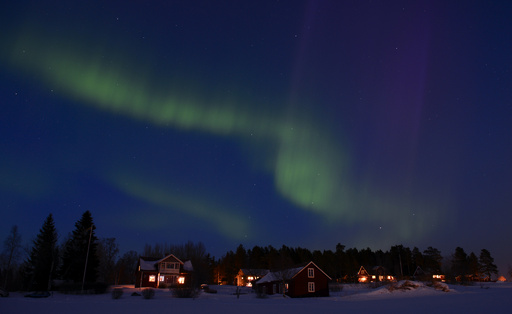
152, 278
181, 280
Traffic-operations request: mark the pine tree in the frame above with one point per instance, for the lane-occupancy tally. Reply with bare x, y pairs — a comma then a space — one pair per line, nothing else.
460, 263
473, 265
79, 250
487, 263
43, 258
432, 260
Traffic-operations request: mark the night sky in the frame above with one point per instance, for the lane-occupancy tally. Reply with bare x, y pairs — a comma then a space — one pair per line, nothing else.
304, 123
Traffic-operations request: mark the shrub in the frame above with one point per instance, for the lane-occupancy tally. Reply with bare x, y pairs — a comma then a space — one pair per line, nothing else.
117, 293
148, 293
335, 287
184, 292
261, 294
441, 286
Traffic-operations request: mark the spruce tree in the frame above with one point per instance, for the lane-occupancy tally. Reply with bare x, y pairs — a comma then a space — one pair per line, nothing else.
487, 263
473, 265
460, 263
42, 262
432, 260
79, 250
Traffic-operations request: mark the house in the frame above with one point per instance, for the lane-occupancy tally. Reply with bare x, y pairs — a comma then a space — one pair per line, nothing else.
167, 271
246, 276
420, 274
303, 281
379, 274
363, 275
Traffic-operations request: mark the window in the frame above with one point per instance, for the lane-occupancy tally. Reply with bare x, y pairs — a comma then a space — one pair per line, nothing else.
311, 273
162, 278
171, 265
181, 280
311, 287
152, 278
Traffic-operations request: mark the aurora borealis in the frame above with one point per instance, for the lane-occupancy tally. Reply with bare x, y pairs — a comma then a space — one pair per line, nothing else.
305, 123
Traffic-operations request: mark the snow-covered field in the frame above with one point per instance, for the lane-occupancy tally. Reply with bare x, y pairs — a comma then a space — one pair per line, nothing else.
486, 298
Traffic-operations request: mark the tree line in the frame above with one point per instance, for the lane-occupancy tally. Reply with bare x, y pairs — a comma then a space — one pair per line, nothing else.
343, 264
82, 259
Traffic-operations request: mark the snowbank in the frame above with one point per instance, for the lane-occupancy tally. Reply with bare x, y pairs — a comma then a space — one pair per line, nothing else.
353, 298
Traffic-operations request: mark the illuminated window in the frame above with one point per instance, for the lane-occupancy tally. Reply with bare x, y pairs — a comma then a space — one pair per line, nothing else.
311, 273
162, 278
181, 280
152, 278
311, 287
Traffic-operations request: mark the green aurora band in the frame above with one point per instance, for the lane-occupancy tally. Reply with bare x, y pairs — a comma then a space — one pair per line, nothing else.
227, 223
310, 168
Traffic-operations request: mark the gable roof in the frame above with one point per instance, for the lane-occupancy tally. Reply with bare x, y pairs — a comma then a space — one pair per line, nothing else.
362, 272
287, 274
149, 263
169, 256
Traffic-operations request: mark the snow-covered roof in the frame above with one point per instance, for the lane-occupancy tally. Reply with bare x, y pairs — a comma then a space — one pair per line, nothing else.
147, 265
286, 274
151, 264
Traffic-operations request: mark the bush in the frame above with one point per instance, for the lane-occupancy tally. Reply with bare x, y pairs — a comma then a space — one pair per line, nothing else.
184, 292
261, 294
117, 293
335, 287
148, 293
441, 286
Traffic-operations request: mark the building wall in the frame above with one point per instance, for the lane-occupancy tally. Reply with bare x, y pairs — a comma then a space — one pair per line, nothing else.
142, 279
298, 287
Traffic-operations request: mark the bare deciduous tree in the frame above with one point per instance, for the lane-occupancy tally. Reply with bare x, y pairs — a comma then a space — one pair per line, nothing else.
12, 251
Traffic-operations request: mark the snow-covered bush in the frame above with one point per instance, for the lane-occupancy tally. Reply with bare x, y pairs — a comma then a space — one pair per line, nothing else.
441, 286
335, 287
148, 293
404, 285
117, 293
184, 292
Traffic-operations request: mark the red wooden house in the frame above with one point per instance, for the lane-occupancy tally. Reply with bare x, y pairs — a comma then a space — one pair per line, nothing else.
168, 271
304, 281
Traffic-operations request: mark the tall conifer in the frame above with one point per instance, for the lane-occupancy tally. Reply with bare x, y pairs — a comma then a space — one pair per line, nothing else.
79, 250
42, 262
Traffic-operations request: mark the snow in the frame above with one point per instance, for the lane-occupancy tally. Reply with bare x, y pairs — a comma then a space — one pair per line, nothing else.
278, 275
145, 265
353, 298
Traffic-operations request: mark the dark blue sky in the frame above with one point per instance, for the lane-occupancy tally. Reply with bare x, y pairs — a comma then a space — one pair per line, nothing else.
305, 123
